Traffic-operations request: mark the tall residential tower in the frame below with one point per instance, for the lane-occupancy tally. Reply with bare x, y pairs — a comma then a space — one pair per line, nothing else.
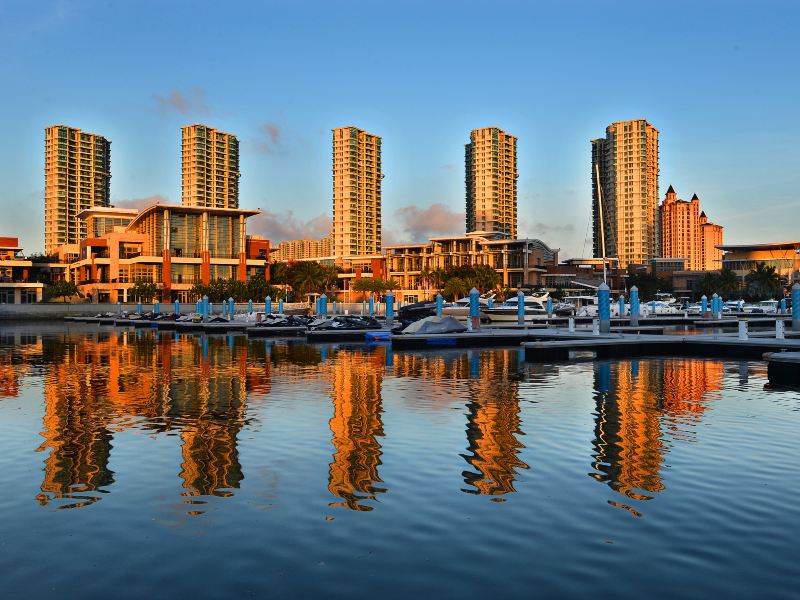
490, 161
356, 192
627, 162
77, 173
210, 165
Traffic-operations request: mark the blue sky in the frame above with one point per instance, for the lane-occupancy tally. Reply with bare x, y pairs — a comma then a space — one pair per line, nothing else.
719, 79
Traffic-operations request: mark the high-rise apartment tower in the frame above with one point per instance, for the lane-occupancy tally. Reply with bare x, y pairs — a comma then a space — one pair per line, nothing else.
490, 160
210, 165
356, 192
77, 173
627, 163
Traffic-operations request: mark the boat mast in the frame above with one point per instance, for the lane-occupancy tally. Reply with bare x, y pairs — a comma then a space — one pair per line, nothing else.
602, 219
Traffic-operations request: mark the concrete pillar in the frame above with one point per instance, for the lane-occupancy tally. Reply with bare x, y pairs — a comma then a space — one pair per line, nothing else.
604, 307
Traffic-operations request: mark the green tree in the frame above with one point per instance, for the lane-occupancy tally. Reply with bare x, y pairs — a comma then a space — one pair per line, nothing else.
763, 282
62, 289
728, 282
455, 287
708, 284
142, 290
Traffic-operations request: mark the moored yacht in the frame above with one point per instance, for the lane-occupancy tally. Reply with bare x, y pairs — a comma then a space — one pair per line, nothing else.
508, 311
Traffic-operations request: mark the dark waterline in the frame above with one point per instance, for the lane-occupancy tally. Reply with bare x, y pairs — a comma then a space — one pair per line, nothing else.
137, 464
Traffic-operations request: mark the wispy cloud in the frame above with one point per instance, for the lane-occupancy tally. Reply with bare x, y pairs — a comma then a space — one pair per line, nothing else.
279, 227
141, 203
270, 138
193, 102
413, 224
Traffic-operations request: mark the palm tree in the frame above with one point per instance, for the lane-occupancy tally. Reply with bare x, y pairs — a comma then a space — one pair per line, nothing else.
308, 277
426, 276
763, 282
455, 287
727, 282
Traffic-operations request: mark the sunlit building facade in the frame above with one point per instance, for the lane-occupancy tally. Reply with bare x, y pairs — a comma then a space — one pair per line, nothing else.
627, 163
173, 247
77, 176
357, 179
490, 160
210, 166
302, 249
687, 233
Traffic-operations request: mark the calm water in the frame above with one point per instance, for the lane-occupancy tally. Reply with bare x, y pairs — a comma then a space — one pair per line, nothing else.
142, 465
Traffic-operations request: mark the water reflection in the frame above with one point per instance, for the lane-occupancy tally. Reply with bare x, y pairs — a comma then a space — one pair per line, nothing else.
98, 386
201, 391
356, 426
640, 407
493, 412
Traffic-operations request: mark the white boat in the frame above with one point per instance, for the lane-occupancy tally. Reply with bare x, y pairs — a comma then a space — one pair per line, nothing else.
656, 307
508, 311
460, 308
665, 297
586, 306
768, 307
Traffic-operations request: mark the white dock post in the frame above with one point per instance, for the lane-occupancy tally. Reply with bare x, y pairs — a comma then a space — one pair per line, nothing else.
571, 324
742, 330
595, 327
779, 329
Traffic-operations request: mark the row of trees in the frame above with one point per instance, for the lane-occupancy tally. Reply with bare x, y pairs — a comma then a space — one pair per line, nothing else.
305, 277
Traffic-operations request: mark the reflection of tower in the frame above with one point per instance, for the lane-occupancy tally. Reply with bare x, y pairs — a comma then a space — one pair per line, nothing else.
74, 426
356, 426
638, 403
493, 424
210, 405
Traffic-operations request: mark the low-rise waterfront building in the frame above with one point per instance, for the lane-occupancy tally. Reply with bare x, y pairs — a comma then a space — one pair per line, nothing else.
172, 246
743, 258
15, 274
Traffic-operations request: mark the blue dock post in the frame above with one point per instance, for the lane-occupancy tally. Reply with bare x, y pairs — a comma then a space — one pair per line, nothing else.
782, 305
715, 305
604, 307
621, 305
198, 307
157, 308
439, 305
205, 306
268, 305
177, 307
210, 310
652, 308
371, 306
249, 307
323, 305
363, 307
138, 308
549, 307
703, 306
796, 307
490, 303
389, 299
230, 309
280, 306
475, 309
635, 306
520, 308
